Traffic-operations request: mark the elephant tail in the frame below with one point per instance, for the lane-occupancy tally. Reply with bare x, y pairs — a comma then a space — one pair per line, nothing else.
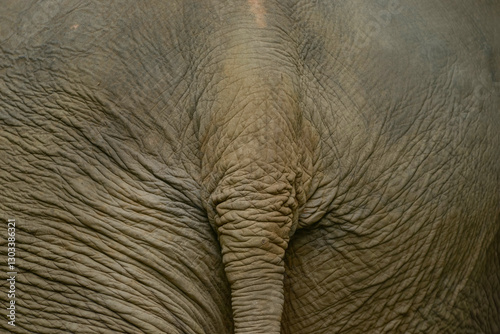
254, 227
255, 172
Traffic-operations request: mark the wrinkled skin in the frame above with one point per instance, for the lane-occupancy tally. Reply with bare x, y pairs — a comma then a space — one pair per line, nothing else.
252, 166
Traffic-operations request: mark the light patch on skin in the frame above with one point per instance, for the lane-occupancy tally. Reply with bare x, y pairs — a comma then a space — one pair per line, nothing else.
259, 12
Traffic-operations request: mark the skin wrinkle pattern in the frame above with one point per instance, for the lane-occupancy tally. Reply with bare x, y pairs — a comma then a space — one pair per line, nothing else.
247, 167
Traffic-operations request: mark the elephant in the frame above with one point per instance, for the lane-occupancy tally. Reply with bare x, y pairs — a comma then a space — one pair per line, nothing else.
259, 166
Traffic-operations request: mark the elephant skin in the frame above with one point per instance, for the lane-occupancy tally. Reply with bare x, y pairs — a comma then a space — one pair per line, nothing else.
252, 166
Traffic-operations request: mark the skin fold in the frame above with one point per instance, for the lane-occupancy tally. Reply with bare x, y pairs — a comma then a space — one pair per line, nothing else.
252, 166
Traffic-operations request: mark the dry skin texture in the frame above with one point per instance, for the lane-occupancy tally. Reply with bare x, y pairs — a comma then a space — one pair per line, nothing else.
252, 166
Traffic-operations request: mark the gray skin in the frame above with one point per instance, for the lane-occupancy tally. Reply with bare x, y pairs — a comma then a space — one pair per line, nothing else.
252, 166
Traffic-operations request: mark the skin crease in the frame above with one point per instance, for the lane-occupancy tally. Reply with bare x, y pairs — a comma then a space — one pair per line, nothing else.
252, 166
